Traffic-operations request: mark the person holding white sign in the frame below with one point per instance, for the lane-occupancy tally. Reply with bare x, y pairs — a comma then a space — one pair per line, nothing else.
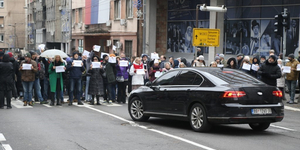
96, 81
270, 71
291, 78
28, 78
281, 80
155, 70
246, 65
137, 72
56, 80
122, 78
75, 79
255, 66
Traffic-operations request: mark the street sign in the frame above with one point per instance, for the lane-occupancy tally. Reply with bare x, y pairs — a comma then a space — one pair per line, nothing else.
206, 37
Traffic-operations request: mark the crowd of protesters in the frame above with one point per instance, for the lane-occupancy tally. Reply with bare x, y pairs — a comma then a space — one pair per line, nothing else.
113, 80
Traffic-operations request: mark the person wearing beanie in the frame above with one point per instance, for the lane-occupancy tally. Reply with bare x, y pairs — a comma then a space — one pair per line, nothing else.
245, 62
239, 59
87, 61
291, 78
28, 78
75, 79
16, 71
255, 61
137, 72
218, 60
109, 77
270, 71
222, 60
199, 62
262, 59
146, 62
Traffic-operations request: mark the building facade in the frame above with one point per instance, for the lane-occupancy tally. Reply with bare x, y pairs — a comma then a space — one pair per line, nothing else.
12, 25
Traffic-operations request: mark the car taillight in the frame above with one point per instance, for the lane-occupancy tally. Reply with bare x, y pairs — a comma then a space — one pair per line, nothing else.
277, 93
234, 94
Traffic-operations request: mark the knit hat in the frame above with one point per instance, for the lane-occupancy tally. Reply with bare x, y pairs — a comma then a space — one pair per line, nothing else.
291, 56
156, 61
240, 54
10, 54
221, 55
112, 55
105, 56
27, 55
247, 58
263, 56
217, 58
201, 57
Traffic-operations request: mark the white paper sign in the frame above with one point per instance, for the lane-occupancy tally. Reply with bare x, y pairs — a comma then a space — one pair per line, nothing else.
59, 69
97, 48
140, 71
123, 63
157, 74
96, 64
77, 63
154, 56
246, 67
255, 67
114, 48
220, 65
26, 66
298, 67
286, 69
112, 60
104, 54
86, 53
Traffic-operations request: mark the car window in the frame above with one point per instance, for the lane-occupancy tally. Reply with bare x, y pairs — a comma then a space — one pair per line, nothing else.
166, 79
188, 78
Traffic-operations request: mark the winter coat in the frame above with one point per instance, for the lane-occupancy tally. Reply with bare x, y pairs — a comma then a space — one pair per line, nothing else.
152, 72
281, 80
162, 64
29, 75
224, 62
246, 71
96, 82
137, 79
122, 71
294, 74
53, 76
6, 74
75, 72
253, 72
110, 70
234, 65
15, 66
269, 73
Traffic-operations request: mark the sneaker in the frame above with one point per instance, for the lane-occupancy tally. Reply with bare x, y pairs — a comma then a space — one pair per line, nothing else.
30, 103
290, 102
25, 103
110, 101
9, 107
80, 103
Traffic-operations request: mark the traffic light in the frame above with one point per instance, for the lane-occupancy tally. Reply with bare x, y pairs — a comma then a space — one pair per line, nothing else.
278, 25
286, 20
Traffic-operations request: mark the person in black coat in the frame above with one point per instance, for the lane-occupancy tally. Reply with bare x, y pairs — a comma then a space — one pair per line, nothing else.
96, 81
231, 63
270, 71
6, 81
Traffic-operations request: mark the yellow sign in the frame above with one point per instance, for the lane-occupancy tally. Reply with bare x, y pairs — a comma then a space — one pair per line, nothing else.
206, 37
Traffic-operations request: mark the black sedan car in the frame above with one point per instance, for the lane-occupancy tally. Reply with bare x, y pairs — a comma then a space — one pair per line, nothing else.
206, 96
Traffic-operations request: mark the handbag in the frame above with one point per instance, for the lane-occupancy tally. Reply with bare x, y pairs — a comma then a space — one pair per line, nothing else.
120, 78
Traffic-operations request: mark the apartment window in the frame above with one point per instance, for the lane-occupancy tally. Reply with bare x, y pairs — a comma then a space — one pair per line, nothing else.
1, 3
80, 15
128, 48
117, 9
1, 38
129, 11
80, 46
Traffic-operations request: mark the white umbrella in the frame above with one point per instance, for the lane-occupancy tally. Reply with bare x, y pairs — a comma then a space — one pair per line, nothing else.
51, 53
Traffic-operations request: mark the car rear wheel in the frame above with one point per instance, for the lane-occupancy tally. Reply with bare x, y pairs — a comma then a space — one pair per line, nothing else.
136, 110
259, 126
198, 119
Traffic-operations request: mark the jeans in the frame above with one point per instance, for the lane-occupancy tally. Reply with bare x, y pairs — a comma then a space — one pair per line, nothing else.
8, 95
291, 84
75, 84
112, 91
27, 87
46, 85
88, 97
122, 91
37, 89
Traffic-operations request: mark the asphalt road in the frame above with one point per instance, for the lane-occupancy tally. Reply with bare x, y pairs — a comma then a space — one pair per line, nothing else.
110, 127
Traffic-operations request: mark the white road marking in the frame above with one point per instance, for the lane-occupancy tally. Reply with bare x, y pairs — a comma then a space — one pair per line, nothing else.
291, 108
47, 105
2, 138
284, 128
19, 104
113, 105
153, 130
6, 147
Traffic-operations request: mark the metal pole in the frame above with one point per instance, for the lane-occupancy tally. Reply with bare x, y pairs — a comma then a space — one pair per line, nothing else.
15, 36
197, 16
284, 38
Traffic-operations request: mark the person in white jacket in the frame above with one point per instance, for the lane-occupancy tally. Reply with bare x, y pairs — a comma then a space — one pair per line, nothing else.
137, 72
281, 80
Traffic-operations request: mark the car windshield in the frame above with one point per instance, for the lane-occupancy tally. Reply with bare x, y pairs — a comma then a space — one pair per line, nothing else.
233, 77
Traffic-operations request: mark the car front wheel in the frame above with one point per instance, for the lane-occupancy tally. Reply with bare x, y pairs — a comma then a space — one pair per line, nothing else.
198, 119
136, 110
259, 126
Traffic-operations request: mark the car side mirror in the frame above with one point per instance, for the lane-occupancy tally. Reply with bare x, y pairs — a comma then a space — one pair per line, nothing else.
149, 83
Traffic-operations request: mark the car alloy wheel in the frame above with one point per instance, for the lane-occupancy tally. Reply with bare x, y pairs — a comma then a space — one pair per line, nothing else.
136, 110
198, 118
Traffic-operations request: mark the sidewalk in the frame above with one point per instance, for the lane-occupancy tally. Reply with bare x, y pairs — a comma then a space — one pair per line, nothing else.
288, 99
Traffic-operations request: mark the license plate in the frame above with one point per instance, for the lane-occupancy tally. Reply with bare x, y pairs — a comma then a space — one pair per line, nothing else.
261, 111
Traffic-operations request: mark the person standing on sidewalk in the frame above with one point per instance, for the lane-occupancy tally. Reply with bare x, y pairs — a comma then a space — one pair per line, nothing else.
6, 81
281, 80
137, 79
291, 78
96, 84
56, 80
28, 78
270, 71
122, 79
